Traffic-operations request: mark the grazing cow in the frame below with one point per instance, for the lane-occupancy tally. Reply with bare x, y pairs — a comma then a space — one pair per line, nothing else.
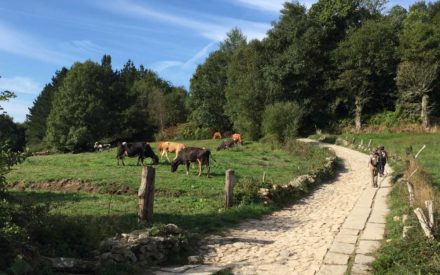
166, 147
140, 149
98, 147
192, 154
237, 138
226, 144
217, 135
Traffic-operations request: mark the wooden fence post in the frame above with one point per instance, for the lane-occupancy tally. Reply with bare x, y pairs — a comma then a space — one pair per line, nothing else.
229, 185
430, 207
146, 195
410, 187
423, 223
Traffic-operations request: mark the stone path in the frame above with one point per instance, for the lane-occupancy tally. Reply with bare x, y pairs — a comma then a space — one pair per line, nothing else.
341, 221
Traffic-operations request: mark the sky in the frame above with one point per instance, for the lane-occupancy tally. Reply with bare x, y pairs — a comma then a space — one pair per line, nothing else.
171, 37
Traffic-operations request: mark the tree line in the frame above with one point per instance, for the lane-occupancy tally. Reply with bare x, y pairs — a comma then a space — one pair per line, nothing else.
339, 63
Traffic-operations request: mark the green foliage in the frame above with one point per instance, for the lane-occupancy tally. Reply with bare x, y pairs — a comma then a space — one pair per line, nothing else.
246, 94
207, 96
79, 115
36, 119
282, 119
246, 191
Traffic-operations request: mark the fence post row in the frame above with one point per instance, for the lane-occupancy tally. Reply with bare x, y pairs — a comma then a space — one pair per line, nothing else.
229, 185
146, 195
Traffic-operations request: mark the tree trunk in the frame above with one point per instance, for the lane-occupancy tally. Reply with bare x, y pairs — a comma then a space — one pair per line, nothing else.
358, 113
424, 113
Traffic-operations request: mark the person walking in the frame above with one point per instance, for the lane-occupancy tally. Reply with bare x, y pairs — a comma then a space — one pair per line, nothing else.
383, 157
373, 164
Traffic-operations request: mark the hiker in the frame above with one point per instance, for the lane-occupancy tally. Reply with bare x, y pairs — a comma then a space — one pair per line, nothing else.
383, 156
373, 164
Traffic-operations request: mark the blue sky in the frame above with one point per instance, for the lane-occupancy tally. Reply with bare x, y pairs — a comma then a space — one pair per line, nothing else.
171, 37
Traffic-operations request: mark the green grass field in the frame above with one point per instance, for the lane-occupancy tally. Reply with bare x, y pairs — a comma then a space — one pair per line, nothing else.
192, 202
396, 144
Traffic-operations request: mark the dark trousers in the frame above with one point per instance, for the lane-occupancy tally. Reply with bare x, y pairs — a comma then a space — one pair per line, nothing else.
381, 167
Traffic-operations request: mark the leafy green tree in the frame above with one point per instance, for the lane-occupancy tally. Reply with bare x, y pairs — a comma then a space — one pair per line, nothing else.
366, 66
419, 50
207, 97
79, 113
246, 92
38, 113
416, 79
208, 84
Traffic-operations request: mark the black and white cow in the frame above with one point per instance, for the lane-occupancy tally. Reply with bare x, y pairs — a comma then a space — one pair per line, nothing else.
141, 149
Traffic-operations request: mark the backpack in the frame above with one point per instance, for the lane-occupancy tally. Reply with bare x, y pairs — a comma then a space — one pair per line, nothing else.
374, 160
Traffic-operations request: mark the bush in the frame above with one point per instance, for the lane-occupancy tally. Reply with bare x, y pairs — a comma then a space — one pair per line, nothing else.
246, 191
191, 131
282, 119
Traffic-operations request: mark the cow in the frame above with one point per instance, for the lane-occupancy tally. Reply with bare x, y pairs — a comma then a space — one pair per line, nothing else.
166, 147
140, 149
98, 147
217, 135
237, 138
226, 144
192, 154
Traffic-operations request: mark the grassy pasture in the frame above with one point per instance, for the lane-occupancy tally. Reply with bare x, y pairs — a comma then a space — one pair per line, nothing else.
194, 203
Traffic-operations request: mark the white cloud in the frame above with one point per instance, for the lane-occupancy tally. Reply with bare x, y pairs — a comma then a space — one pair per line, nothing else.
86, 46
15, 42
208, 26
184, 65
19, 84
199, 55
163, 65
264, 5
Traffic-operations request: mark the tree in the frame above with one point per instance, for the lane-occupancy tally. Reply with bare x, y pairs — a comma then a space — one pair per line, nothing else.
415, 80
246, 94
37, 118
207, 96
420, 53
366, 66
234, 40
79, 115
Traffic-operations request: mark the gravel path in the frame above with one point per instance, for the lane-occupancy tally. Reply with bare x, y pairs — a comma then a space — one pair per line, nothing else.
296, 239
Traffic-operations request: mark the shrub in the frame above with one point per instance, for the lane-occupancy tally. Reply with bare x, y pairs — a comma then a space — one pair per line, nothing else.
282, 119
246, 191
191, 131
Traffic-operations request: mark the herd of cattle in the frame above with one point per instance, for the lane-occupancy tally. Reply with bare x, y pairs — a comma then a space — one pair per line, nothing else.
184, 155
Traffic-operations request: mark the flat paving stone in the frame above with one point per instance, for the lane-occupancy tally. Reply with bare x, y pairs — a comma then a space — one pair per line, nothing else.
367, 247
360, 269
332, 270
336, 258
342, 238
373, 231
363, 259
344, 248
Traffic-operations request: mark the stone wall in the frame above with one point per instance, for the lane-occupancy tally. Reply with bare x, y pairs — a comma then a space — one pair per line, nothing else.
299, 185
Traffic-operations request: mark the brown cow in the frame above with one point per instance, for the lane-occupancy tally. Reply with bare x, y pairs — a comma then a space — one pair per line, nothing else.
166, 147
237, 138
217, 135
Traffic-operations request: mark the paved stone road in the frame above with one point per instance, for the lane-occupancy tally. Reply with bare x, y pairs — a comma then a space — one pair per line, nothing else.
341, 220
